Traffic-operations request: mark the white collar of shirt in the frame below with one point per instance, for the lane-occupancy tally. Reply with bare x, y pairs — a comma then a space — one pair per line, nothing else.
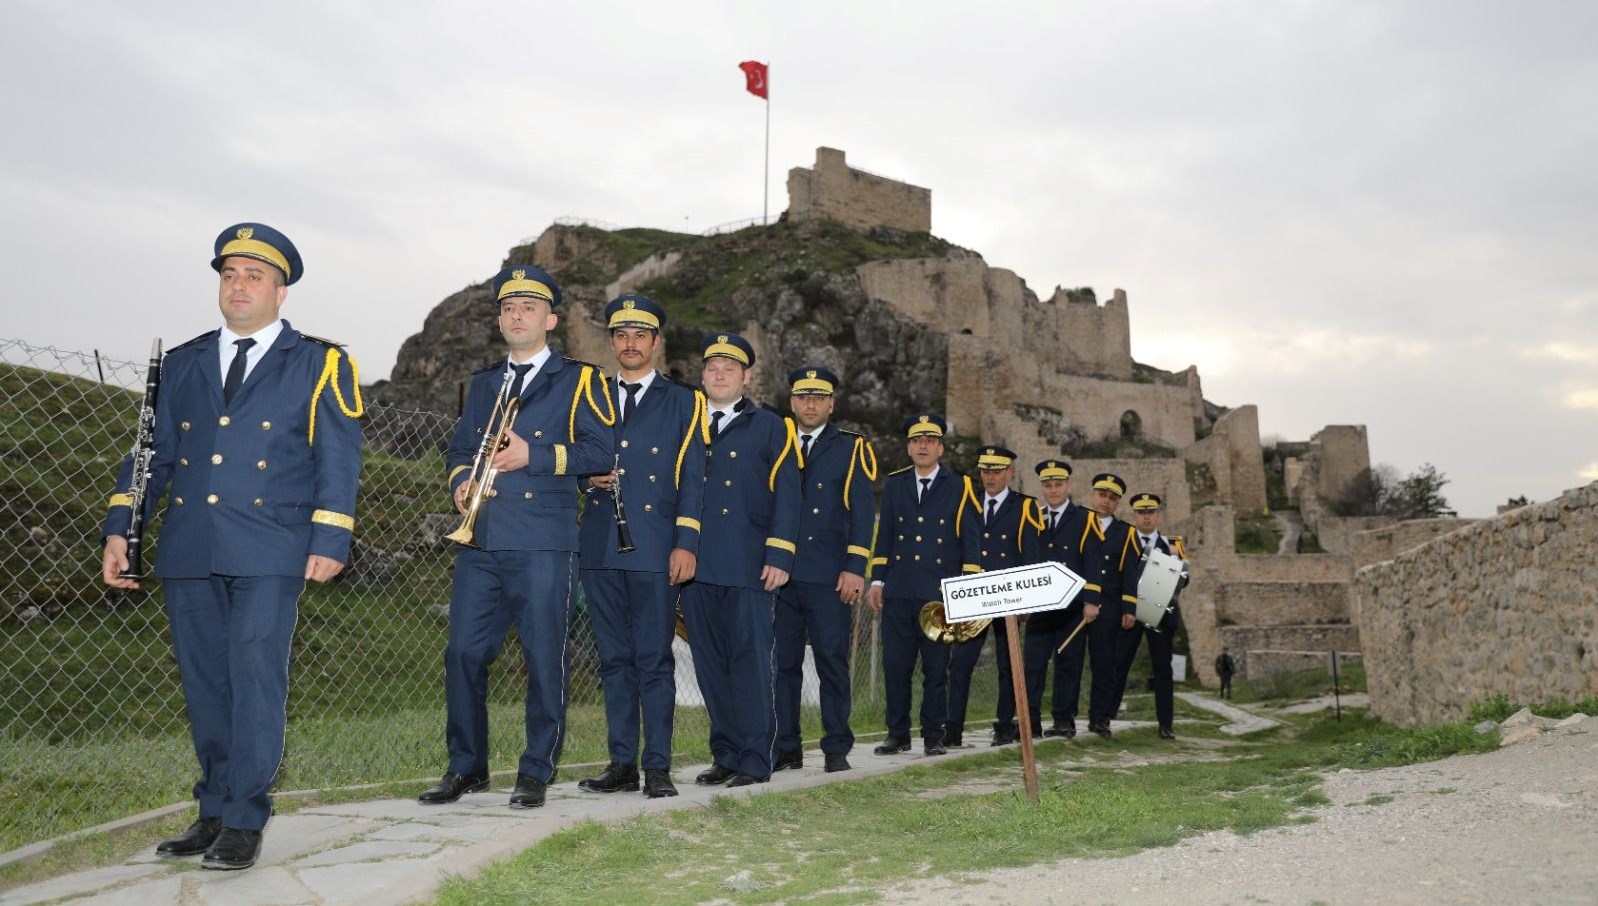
997, 499
264, 338
537, 361
728, 412
814, 433
643, 383
1153, 538
930, 476
1106, 521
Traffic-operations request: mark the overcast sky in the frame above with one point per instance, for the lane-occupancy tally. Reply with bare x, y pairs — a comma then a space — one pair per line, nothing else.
1377, 213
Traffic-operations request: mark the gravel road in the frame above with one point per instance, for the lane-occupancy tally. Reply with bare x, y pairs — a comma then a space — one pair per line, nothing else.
1517, 825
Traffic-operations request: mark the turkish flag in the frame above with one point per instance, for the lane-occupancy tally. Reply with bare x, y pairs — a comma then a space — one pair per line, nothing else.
755, 74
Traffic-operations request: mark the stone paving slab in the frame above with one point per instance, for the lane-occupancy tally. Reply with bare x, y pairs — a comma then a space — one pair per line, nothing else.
398, 851
1242, 722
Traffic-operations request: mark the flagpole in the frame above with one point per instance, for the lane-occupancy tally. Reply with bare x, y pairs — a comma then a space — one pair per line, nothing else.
765, 176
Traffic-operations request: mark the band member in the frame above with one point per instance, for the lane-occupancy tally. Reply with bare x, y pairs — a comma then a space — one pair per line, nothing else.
1112, 544
1010, 537
751, 522
1066, 529
929, 528
520, 565
257, 432
835, 524
660, 436
1146, 510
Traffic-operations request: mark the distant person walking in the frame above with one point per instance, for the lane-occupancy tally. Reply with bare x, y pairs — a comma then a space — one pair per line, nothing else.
1225, 667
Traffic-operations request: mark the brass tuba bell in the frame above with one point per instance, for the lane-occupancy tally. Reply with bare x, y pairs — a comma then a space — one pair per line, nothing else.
936, 626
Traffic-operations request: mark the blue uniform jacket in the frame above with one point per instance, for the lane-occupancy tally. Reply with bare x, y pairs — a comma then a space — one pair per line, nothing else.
921, 543
752, 498
253, 491
1119, 558
839, 508
1013, 537
1066, 545
566, 420
662, 450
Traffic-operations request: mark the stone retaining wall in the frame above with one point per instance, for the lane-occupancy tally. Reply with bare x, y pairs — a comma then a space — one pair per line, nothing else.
1505, 606
1281, 603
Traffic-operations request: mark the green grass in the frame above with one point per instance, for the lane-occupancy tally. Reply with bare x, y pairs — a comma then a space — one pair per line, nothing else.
1498, 707
844, 842
1298, 685
1256, 533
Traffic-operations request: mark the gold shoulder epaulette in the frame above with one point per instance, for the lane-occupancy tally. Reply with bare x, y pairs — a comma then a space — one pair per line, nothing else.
897, 471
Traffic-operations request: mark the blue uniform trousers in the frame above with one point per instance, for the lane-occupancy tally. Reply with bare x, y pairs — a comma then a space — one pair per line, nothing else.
491, 591
732, 633
962, 664
814, 609
635, 616
1159, 663
1038, 650
902, 643
1103, 635
232, 636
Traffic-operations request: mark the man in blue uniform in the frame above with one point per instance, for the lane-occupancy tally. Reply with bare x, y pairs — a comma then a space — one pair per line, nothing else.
1066, 529
751, 522
1111, 545
835, 524
1146, 509
660, 435
929, 528
520, 564
257, 432
1010, 527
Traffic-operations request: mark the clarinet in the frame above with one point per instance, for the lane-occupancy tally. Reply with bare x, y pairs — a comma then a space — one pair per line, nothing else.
624, 535
143, 455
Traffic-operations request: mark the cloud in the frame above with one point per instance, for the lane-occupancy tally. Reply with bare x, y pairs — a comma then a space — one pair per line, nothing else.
1579, 398
1590, 473
1564, 351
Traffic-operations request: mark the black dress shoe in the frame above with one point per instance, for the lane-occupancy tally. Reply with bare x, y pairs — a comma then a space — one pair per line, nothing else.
1067, 729
197, 839
453, 787
234, 849
715, 775
529, 792
932, 747
657, 783
956, 741
742, 779
893, 745
1102, 728
786, 760
614, 779
837, 761
1165, 733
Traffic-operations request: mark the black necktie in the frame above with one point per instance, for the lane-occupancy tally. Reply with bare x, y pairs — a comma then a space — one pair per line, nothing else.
521, 379
993, 509
926, 483
715, 423
235, 369
1147, 540
1054, 519
804, 445
631, 400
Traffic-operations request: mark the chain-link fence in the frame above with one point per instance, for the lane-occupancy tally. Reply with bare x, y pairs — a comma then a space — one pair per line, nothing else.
92, 725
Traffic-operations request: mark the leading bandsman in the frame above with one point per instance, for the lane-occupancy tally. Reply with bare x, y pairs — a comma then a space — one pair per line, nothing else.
257, 431
1111, 548
520, 566
835, 524
660, 436
929, 528
1010, 538
1066, 529
751, 522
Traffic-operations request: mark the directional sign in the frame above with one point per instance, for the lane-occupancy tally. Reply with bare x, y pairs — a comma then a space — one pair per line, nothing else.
1005, 592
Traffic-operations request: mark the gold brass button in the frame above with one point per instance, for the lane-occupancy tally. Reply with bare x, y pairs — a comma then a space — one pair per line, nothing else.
818, 485
216, 459
816, 510
651, 478
986, 535
624, 445
527, 495
224, 421
212, 499
654, 449
261, 465
621, 471
537, 434
984, 553
723, 511
901, 537
939, 561
257, 501
649, 508
918, 556
493, 492
810, 538
184, 426
266, 426
178, 501
183, 462
728, 482
733, 454
940, 521
921, 519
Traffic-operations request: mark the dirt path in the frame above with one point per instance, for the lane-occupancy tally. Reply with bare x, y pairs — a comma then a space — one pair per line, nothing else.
1518, 825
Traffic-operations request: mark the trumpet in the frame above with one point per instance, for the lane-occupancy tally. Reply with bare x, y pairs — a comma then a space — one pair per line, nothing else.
480, 481
935, 625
